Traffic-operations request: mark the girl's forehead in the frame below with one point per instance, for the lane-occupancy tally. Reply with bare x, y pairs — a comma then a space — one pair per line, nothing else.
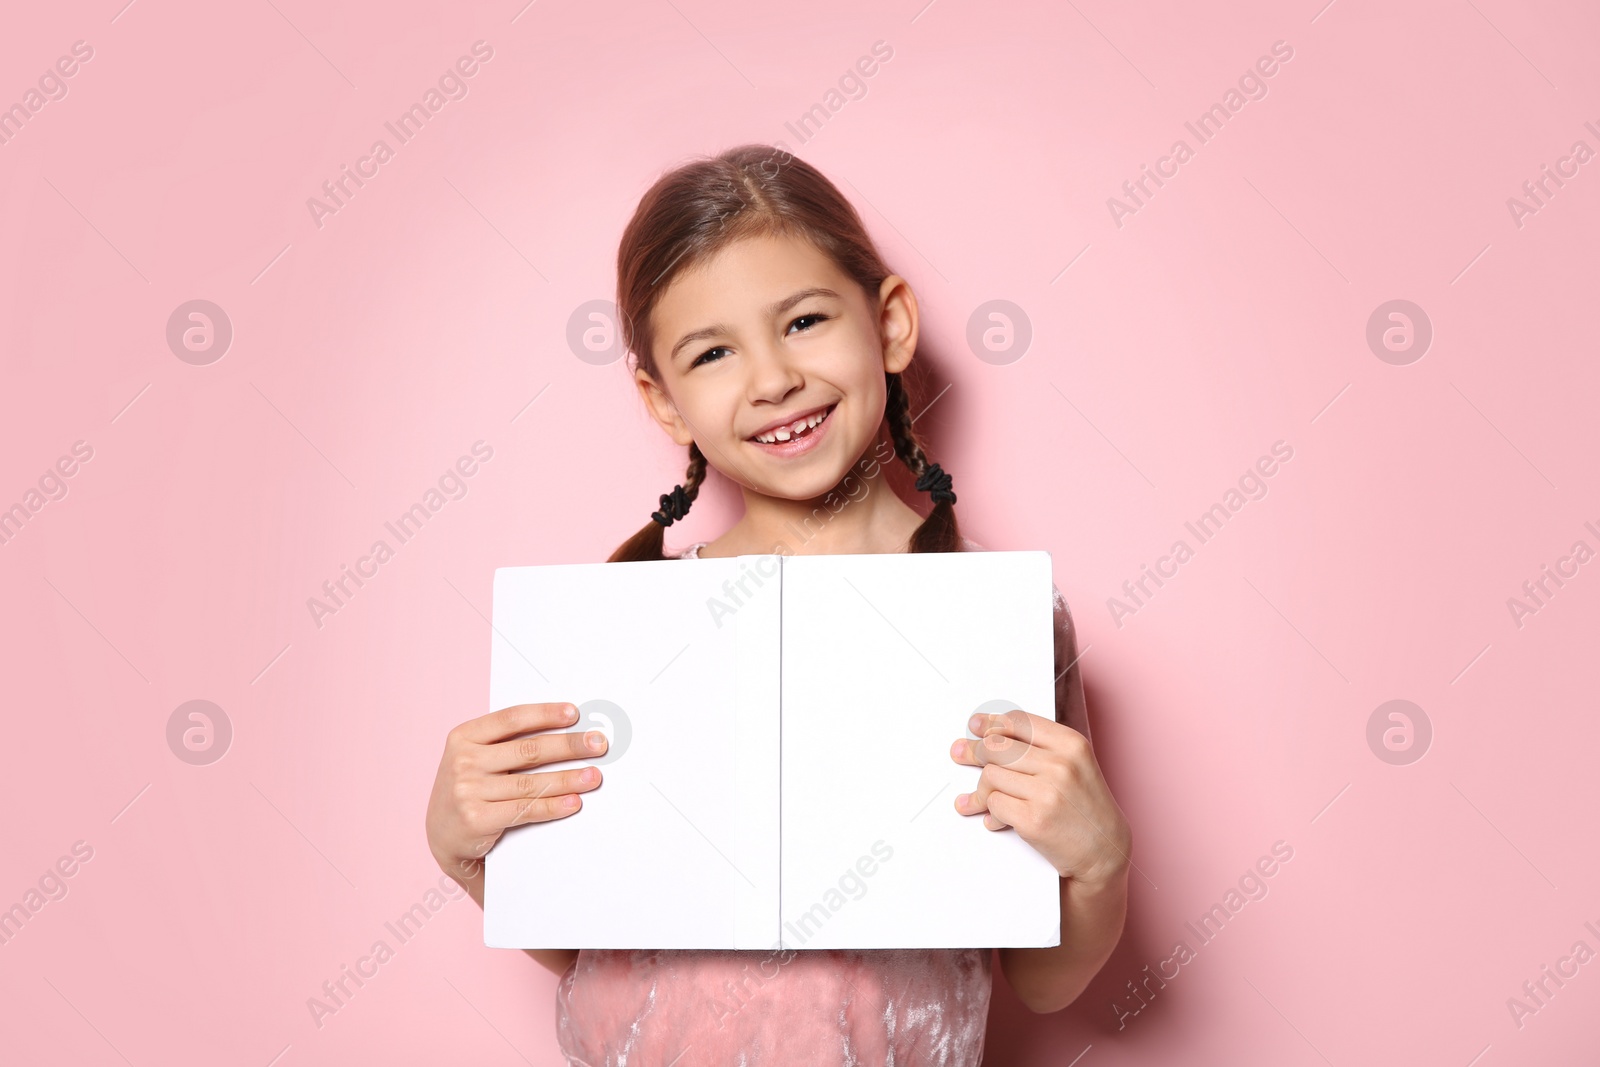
755, 266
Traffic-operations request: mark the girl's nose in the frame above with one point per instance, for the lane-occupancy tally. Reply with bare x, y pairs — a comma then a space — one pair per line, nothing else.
773, 376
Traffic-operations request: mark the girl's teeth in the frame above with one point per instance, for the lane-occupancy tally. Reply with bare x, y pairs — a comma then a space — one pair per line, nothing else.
783, 433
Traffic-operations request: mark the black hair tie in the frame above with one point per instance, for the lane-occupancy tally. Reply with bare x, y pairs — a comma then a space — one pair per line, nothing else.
936, 483
674, 506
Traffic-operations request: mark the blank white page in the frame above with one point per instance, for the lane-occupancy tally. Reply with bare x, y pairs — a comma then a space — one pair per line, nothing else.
678, 846
885, 657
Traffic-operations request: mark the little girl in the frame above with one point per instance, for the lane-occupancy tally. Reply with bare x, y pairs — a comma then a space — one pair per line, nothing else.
770, 338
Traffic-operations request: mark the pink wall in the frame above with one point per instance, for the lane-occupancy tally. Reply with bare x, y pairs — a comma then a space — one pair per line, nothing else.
1171, 347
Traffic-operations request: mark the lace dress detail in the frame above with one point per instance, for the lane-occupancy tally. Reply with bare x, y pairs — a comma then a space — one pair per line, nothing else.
820, 1008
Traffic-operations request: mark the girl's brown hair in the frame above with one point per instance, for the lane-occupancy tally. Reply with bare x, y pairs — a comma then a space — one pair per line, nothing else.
690, 214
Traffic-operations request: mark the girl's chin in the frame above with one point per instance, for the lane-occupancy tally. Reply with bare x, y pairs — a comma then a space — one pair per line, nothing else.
814, 484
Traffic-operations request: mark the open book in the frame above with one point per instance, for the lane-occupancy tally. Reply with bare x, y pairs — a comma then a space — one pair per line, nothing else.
779, 773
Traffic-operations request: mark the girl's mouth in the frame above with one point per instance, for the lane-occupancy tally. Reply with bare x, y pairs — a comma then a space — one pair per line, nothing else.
797, 437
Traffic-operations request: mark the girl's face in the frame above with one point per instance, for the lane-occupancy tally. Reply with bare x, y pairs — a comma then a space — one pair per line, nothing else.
758, 342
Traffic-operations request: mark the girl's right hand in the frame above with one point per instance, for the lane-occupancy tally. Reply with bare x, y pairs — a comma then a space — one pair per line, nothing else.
478, 793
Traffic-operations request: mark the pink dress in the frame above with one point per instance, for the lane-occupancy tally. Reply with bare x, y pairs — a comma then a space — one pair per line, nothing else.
821, 1008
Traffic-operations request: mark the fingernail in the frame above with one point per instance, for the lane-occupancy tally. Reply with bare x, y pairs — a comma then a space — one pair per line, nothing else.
595, 740
588, 776
570, 802
572, 713
976, 723
962, 798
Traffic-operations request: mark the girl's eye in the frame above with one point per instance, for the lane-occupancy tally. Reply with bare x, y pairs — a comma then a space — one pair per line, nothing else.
705, 354
816, 316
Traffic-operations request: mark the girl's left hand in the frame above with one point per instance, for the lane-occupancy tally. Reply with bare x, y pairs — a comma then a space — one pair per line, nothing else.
1041, 778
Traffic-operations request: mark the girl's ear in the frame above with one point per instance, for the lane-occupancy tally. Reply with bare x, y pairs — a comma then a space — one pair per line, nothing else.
662, 409
897, 323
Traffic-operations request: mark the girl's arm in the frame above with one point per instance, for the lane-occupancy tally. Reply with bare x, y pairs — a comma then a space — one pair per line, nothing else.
1092, 914
479, 791
1064, 808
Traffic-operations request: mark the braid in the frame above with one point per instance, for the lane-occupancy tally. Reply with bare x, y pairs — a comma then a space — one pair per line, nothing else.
939, 531
648, 542
897, 413
696, 473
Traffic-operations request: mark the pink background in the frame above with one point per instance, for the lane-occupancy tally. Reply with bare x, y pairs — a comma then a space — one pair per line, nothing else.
1227, 313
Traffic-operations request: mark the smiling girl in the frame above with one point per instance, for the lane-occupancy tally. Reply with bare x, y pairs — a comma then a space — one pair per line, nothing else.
770, 339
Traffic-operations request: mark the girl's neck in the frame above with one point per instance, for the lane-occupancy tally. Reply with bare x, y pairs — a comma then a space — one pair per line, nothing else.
860, 515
